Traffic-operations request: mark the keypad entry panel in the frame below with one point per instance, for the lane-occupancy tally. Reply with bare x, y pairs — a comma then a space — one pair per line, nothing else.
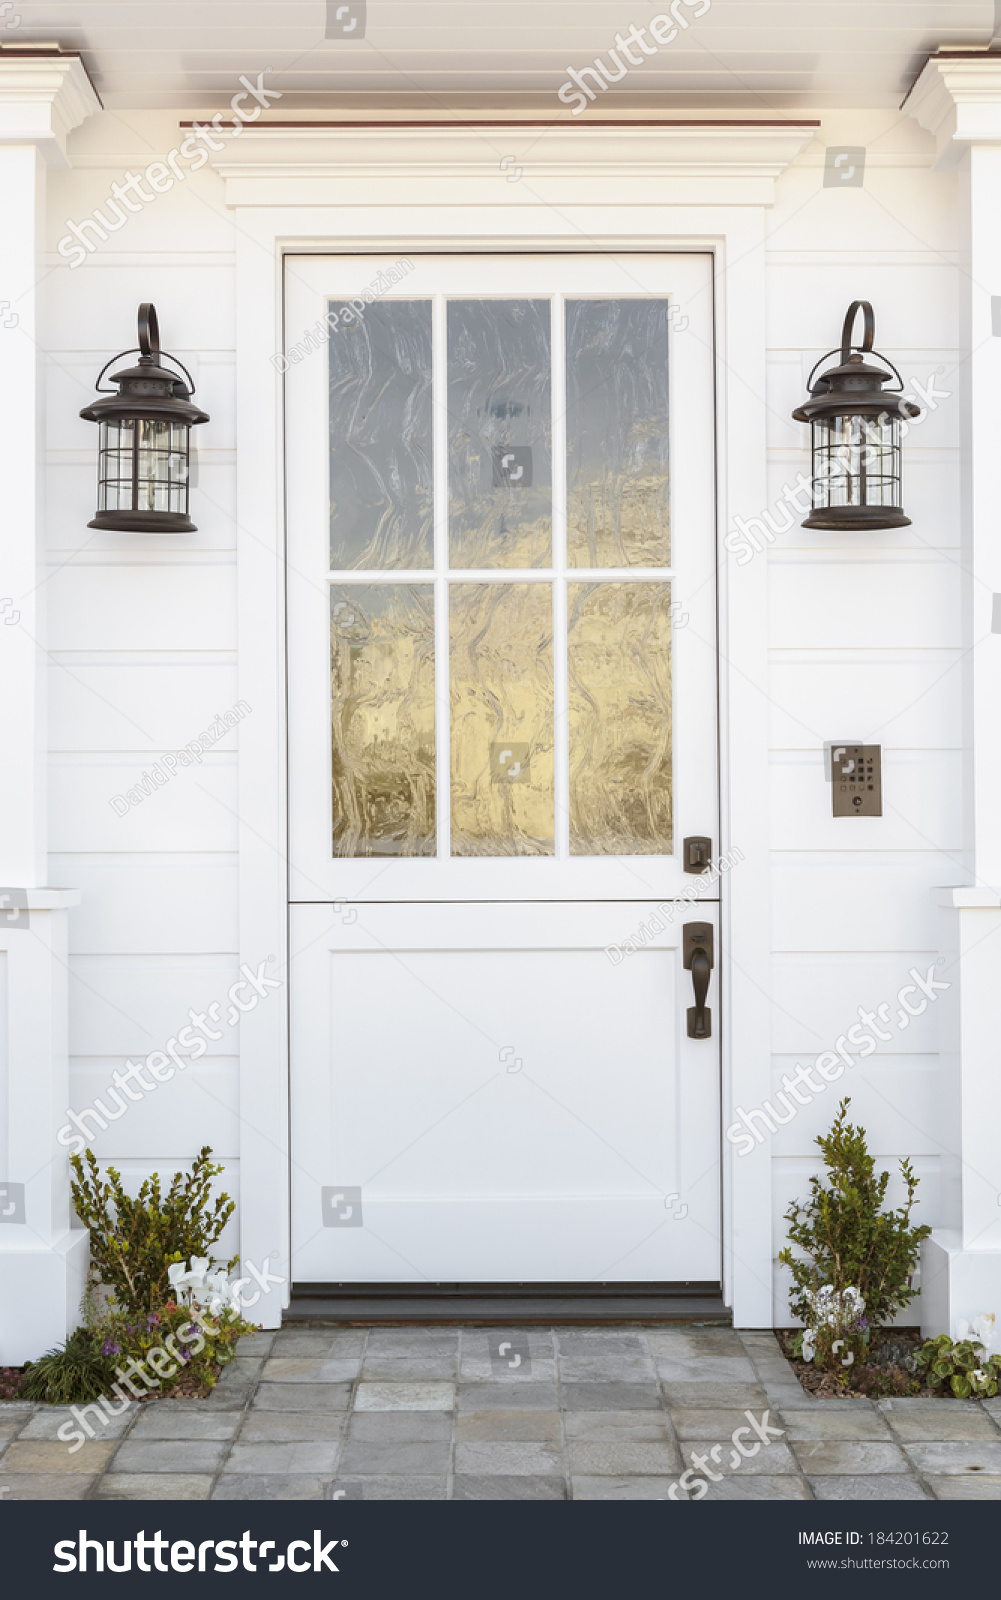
856, 780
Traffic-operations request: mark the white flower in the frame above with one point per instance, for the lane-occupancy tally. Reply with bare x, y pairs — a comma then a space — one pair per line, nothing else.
177, 1273
809, 1343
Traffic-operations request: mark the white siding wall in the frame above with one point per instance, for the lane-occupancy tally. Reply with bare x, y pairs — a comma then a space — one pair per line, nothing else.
864, 633
142, 636
864, 636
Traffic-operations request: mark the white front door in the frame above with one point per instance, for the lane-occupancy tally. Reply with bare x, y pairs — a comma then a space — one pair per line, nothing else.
502, 727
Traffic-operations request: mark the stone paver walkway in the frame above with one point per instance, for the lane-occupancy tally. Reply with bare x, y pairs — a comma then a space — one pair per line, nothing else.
600, 1413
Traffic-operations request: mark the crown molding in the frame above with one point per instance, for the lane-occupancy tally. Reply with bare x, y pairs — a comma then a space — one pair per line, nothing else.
43, 97
957, 98
685, 162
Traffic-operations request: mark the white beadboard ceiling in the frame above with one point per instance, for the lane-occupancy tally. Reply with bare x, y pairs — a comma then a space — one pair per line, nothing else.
757, 56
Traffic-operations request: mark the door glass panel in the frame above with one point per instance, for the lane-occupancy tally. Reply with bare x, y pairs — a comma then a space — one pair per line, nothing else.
618, 504
382, 719
501, 665
499, 433
381, 510
619, 639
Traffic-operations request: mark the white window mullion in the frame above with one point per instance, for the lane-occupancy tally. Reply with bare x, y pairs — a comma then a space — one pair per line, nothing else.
439, 392
561, 736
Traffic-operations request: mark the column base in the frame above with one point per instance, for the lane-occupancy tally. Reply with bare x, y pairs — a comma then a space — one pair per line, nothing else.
956, 1284
40, 1294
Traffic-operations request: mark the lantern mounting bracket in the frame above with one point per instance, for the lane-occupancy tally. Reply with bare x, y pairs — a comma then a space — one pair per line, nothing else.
148, 349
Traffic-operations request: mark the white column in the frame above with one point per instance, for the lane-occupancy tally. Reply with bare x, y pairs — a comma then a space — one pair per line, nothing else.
43, 96
958, 99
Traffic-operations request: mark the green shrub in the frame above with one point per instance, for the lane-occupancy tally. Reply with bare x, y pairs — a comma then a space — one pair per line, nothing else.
133, 1242
73, 1373
848, 1239
965, 1367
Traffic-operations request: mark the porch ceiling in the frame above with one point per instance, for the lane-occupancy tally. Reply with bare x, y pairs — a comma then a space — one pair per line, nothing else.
758, 56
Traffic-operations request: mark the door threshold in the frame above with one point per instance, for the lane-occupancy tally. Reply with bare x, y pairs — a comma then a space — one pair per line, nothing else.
499, 1304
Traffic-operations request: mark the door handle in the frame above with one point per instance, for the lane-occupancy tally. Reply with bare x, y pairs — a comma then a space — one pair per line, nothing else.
698, 959
699, 1016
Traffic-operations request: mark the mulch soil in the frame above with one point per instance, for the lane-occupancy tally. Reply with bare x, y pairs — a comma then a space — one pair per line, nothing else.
880, 1377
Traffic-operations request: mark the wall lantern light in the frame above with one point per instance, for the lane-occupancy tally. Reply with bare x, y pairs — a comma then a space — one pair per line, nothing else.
142, 477
856, 435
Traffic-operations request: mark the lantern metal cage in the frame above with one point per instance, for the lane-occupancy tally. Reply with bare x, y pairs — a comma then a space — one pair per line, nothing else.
143, 453
856, 435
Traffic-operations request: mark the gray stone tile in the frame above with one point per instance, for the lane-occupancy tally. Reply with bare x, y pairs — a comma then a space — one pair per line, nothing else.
508, 1397
242, 1370
942, 1425
505, 1486
319, 1343
956, 1456
306, 1369
155, 1423
718, 1395
54, 1457
46, 1424
773, 1460
302, 1397
256, 1344
611, 1396
621, 1488
487, 1458
702, 1369
992, 1407
10, 1426
974, 1486
264, 1426
587, 1358
168, 1455
412, 1342
392, 1488
591, 1458
676, 1344
540, 1425
823, 1424
154, 1486
387, 1427
293, 1458
394, 1458
827, 1457
619, 1427
711, 1422
408, 1369
745, 1486
46, 1486
886, 1486
405, 1397
261, 1486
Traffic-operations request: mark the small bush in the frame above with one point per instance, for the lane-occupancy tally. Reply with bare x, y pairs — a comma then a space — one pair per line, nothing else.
849, 1240
965, 1367
73, 1373
133, 1243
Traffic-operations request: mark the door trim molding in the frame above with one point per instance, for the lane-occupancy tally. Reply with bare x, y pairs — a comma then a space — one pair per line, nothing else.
735, 234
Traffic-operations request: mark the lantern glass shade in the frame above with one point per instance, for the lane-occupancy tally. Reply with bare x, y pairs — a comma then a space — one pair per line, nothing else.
143, 465
856, 461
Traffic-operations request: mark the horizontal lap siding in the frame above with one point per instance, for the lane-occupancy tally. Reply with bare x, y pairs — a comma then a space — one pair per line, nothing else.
142, 639
865, 643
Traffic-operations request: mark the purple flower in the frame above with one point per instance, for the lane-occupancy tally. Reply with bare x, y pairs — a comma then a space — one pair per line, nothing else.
109, 1348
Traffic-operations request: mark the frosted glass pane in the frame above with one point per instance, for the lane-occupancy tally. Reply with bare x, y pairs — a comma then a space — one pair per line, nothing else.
381, 512
499, 433
618, 503
501, 665
619, 638
382, 719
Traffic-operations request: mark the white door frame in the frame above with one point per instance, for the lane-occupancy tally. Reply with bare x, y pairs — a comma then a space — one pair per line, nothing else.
676, 186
